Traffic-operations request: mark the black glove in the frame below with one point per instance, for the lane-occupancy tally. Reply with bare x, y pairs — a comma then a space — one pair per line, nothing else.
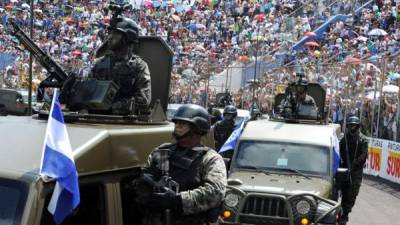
143, 189
166, 200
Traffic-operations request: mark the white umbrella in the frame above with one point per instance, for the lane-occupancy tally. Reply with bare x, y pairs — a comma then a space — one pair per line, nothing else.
377, 32
25, 6
38, 11
370, 66
390, 89
362, 38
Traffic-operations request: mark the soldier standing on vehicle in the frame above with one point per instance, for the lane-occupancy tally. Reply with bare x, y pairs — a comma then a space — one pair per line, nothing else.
118, 62
224, 128
353, 156
195, 185
302, 96
297, 99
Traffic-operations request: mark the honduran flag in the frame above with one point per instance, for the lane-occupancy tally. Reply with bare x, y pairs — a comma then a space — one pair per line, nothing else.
336, 150
58, 163
231, 142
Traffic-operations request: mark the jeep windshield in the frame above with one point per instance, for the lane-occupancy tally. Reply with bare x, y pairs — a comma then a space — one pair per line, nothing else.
13, 196
293, 158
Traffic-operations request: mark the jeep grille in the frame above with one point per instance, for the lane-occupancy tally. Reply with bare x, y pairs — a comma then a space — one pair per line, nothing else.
264, 210
265, 206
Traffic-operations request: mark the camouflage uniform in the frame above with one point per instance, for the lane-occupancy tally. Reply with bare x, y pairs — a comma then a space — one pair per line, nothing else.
358, 152
222, 130
132, 76
207, 168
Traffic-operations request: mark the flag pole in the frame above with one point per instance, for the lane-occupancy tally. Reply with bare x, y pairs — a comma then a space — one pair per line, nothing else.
47, 128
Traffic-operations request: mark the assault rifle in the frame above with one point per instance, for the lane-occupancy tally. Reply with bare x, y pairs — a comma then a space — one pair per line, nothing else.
348, 162
165, 183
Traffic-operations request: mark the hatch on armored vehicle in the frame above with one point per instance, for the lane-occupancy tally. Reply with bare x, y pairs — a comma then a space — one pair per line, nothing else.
283, 173
315, 91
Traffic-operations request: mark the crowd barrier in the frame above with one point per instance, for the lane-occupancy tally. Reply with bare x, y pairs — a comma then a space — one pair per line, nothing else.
383, 159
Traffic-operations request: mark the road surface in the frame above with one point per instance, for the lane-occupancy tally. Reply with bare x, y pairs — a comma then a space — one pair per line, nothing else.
378, 203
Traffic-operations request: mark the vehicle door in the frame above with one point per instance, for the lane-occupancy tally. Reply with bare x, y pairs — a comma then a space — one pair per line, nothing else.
7, 99
101, 200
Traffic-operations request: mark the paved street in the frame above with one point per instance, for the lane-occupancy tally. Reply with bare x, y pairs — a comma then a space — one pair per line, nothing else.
376, 204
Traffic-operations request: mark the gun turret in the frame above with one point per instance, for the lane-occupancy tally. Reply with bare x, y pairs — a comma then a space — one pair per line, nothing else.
88, 94
57, 75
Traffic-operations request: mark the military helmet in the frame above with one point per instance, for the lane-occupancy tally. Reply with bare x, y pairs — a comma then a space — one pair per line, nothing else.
195, 115
128, 27
255, 111
353, 120
230, 109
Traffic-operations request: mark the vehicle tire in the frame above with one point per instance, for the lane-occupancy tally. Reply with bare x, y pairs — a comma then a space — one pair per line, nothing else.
3, 111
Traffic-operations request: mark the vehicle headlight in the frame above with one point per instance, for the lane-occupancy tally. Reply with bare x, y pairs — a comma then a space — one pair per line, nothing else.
231, 200
303, 207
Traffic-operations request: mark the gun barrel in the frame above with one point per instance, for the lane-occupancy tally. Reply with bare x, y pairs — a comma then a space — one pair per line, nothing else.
46, 61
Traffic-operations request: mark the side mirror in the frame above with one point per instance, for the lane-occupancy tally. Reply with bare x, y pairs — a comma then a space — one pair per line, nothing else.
342, 175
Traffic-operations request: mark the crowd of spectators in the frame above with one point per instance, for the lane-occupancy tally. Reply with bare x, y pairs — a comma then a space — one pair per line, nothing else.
209, 35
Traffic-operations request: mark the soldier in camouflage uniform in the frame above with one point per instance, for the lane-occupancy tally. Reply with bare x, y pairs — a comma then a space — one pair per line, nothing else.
357, 146
198, 171
118, 62
224, 128
297, 100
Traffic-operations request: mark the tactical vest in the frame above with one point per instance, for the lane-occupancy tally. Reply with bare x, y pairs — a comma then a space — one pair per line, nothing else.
185, 168
121, 72
223, 129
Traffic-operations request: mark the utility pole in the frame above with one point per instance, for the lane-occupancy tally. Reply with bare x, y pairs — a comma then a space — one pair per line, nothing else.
381, 94
255, 67
30, 65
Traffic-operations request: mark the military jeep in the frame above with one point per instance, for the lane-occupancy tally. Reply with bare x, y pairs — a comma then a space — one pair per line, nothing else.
109, 153
282, 173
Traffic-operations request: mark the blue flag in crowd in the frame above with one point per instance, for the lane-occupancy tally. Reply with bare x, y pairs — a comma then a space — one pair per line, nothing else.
336, 151
58, 163
233, 139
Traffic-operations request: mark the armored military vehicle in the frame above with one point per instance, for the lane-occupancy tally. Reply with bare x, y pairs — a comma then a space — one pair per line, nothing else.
283, 172
109, 151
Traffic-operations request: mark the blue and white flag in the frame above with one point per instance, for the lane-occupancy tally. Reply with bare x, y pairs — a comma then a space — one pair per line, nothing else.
230, 144
336, 150
58, 163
